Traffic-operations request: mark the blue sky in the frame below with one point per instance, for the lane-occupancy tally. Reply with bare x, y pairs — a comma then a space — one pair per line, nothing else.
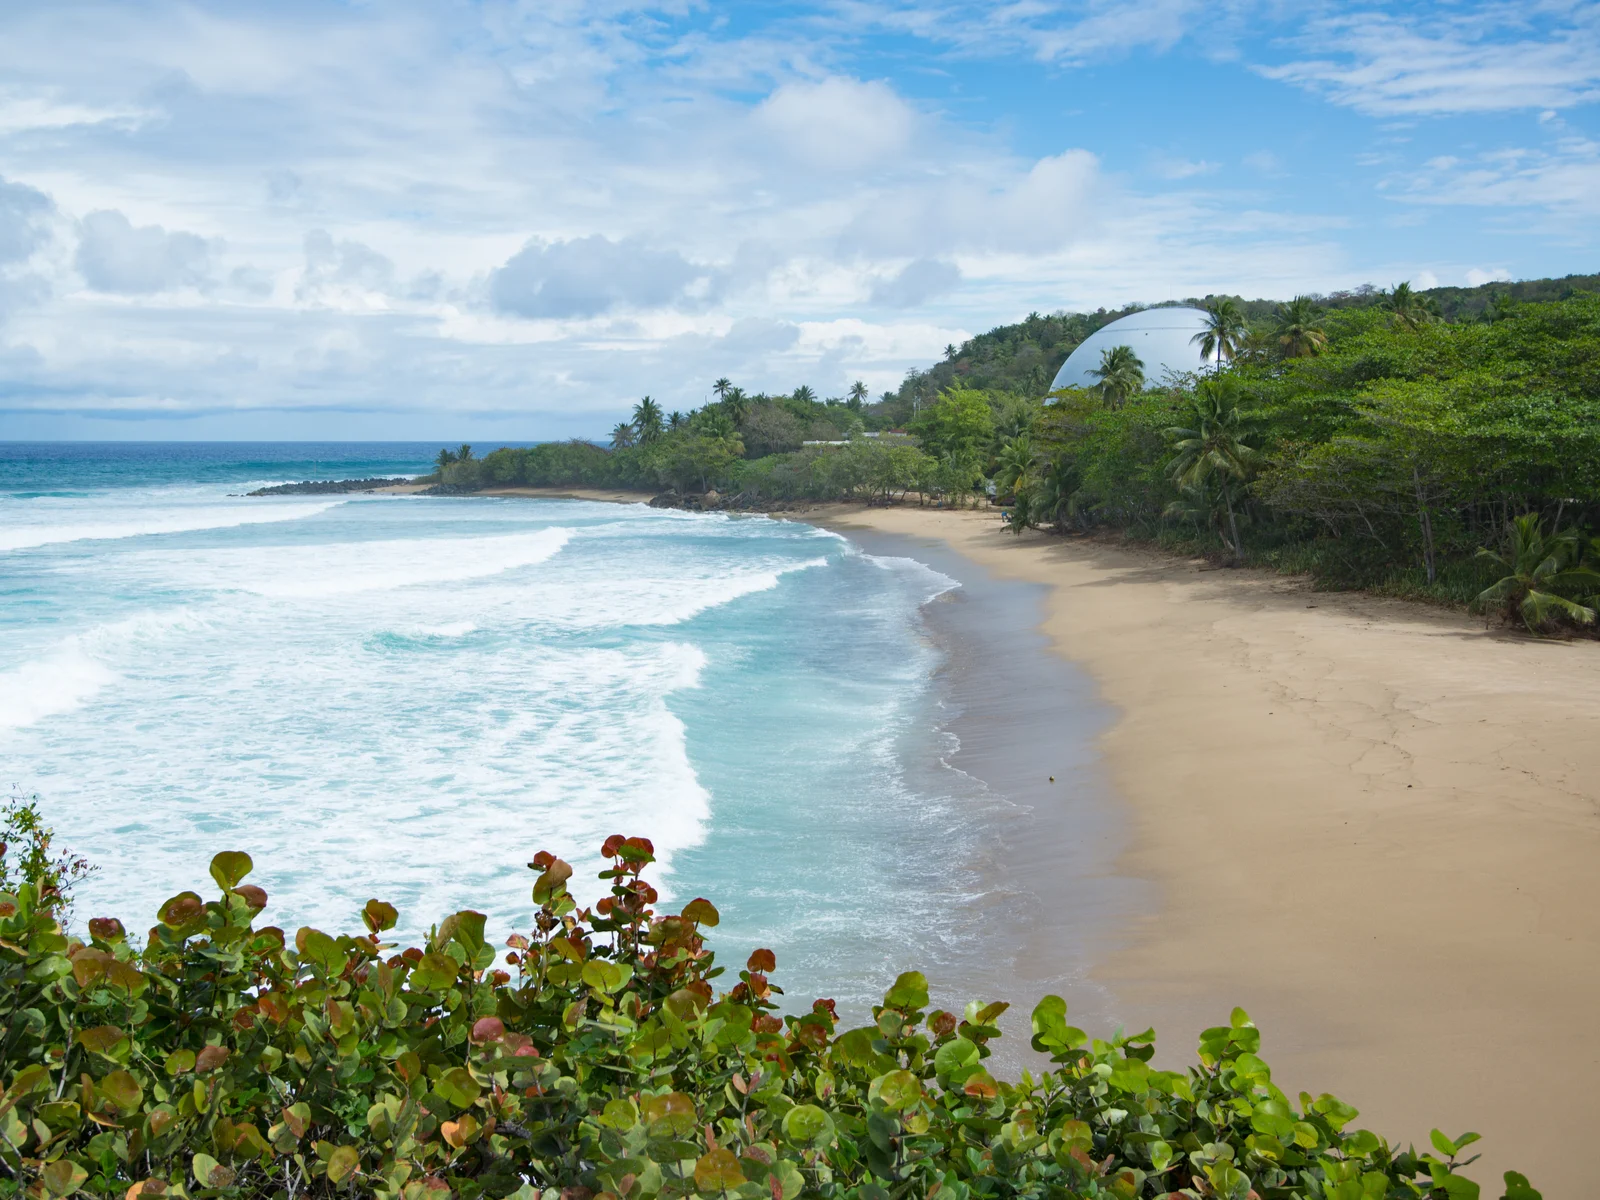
457, 220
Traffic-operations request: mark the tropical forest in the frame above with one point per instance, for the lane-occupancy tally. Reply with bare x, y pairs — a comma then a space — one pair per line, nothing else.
1435, 444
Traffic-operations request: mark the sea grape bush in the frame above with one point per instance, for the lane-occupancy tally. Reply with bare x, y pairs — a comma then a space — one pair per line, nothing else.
601, 1057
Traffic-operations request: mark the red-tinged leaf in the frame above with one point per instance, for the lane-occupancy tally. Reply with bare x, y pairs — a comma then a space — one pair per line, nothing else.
255, 897
210, 1058
762, 960
612, 845
488, 1029
181, 910
106, 929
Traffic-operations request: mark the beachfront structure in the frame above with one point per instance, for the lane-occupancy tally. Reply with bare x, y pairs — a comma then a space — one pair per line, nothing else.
1163, 338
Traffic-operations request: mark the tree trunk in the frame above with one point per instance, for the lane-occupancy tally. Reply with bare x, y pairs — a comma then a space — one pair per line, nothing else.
1233, 524
1426, 522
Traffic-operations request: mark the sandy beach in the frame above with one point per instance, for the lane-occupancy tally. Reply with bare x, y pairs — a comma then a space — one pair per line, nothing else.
1373, 824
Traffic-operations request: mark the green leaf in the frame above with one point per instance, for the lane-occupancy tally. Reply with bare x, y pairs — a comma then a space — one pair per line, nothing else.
435, 973
230, 867
717, 1171
458, 1087
619, 1114
342, 1164
909, 993
63, 1177
808, 1125
122, 1089
1442, 1144
1458, 1187
669, 1115
702, 912
955, 1056
1518, 1188
897, 1090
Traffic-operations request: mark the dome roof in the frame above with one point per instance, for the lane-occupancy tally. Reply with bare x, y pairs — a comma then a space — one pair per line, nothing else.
1161, 337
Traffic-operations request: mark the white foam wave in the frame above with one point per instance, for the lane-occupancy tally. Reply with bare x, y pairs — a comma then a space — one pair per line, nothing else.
341, 569
935, 583
48, 686
152, 523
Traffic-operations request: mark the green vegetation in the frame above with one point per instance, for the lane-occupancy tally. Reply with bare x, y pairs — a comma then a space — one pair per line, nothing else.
601, 1057
1375, 439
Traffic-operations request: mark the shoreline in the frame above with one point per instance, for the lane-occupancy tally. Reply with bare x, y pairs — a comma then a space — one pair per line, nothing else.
1019, 726
1371, 823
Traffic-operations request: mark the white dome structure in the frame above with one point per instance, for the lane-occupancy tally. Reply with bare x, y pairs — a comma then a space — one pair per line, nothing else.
1163, 338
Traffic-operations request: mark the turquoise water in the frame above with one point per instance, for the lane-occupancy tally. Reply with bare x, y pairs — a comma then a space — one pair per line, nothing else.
406, 697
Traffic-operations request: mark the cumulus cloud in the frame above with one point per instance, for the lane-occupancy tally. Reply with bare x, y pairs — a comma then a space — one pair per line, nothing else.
920, 280
587, 276
343, 272
1041, 209
23, 216
114, 255
836, 124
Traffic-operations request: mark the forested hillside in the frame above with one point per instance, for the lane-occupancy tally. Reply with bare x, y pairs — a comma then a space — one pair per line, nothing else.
1443, 444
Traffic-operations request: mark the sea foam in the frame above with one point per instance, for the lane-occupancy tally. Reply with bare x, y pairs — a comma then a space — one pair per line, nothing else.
149, 523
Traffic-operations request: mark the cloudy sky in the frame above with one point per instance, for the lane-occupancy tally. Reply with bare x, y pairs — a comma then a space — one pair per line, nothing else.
474, 220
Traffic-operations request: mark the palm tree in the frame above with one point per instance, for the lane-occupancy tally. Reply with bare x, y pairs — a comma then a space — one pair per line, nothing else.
677, 420
464, 454
622, 436
950, 351
445, 458
856, 396
1013, 475
1121, 374
647, 421
1053, 497
737, 405
1538, 569
1214, 446
720, 387
804, 394
1224, 332
1299, 328
1406, 308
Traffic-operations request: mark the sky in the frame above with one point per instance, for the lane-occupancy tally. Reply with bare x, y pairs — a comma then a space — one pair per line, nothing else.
464, 221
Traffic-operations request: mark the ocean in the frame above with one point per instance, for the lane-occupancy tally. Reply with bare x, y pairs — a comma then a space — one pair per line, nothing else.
406, 697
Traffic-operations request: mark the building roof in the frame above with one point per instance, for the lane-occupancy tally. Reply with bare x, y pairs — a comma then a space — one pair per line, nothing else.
1161, 337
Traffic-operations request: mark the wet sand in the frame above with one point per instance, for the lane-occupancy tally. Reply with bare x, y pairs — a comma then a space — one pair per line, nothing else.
1373, 824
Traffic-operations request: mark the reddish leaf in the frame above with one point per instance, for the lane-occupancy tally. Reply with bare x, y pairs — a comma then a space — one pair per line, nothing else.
762, 960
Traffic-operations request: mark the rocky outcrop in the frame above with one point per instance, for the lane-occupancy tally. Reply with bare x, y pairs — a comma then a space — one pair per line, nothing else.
714, 501
326, 487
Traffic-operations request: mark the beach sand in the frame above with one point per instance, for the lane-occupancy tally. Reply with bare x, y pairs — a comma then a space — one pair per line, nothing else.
1374, 825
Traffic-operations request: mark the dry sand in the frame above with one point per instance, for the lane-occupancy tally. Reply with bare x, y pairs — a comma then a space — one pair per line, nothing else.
1374, 825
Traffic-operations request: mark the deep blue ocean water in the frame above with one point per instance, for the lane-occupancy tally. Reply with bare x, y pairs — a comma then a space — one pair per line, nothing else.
406, 697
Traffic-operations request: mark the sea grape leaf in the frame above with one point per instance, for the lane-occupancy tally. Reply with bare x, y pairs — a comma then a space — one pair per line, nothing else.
230, 867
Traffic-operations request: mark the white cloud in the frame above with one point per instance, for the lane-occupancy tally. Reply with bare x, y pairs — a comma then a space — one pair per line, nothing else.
115, 256
1477, 277
920, 280
585, 277
836, 124
1469, 59
1561, 182
24, 213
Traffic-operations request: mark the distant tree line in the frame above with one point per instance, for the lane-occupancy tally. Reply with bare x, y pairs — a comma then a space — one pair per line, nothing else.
1433, 443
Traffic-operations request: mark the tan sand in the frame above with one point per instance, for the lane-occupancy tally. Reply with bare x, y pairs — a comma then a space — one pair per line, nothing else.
1374, 825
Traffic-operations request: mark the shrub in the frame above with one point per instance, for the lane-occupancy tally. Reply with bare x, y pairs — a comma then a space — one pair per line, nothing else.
222, 1059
